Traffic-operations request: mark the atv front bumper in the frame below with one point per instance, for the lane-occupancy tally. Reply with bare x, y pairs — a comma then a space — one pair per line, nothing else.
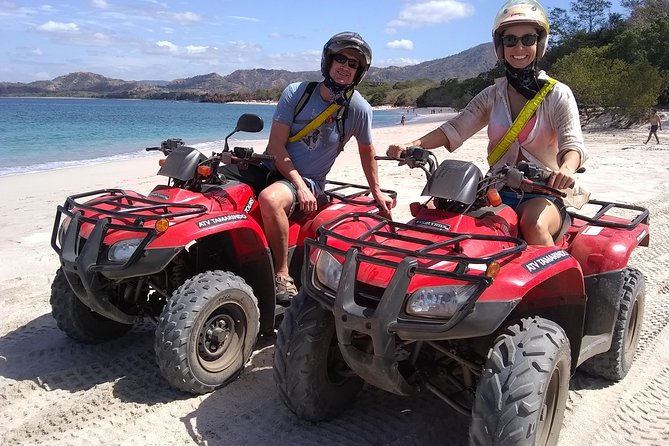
387, 324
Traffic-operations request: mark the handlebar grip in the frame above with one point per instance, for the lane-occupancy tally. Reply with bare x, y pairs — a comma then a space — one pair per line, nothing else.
149, 149
544, 175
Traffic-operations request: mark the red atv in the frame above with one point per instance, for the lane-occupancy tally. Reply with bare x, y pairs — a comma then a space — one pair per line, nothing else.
191, 254
455, 303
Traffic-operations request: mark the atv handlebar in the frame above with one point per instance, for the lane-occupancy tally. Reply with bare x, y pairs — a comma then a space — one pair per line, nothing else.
243, 155
415, 157
526, 177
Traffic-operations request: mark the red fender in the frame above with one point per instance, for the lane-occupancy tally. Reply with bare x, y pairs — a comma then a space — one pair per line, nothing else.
600, 249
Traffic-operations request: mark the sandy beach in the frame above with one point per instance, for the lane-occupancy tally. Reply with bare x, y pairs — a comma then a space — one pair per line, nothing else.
56, 391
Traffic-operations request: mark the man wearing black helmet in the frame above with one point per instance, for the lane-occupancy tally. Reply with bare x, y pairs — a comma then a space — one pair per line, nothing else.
305, 147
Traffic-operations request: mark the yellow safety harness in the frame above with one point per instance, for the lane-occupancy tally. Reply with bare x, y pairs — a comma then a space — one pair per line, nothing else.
525, 114
322, 117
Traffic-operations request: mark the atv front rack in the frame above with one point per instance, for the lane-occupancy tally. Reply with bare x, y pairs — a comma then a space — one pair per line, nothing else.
389, 230
360, 301
129, 211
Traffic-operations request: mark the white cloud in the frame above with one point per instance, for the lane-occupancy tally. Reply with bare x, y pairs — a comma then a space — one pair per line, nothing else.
58, 27
186, 52
244, 19
398, 62
431, 12
100, 4
182, 18
169, 46
194, 49
403, 44
35, 52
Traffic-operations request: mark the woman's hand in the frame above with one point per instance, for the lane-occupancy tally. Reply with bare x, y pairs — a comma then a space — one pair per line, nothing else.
396, 151
562, 179
306, 199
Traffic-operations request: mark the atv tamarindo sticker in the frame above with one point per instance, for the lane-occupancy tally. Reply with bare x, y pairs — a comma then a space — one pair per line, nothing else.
546, 260
220, 220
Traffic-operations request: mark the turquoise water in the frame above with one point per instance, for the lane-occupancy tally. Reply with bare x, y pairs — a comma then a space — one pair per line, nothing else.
39, 134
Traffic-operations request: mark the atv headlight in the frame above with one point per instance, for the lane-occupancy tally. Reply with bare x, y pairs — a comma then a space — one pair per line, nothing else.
328, 270
440, 302
123, 250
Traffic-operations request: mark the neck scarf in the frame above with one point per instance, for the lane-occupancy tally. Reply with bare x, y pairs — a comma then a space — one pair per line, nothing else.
337, 91
524, 80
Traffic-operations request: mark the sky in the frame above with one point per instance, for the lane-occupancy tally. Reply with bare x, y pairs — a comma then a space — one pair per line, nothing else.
167, 40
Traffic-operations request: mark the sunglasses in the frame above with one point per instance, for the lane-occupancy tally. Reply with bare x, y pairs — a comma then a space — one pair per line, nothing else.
509, 40
352, 63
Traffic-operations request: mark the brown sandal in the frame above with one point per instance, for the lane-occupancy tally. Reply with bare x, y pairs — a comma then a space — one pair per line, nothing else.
285, 288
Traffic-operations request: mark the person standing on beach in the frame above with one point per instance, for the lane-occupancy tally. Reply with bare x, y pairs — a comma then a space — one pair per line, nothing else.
403, 119
305, 151
655, 123
552, 136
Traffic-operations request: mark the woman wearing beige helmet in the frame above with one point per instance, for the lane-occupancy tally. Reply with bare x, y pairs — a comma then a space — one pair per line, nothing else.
551, 138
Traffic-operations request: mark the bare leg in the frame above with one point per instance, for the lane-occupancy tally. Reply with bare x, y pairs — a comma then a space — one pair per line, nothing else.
275, 202
539, 221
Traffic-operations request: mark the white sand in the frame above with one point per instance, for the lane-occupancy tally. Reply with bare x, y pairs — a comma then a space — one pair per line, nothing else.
122, 400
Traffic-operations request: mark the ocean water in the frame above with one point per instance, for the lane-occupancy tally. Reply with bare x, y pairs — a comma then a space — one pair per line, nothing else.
38, 134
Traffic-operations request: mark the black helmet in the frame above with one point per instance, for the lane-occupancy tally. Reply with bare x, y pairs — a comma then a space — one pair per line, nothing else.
346, 41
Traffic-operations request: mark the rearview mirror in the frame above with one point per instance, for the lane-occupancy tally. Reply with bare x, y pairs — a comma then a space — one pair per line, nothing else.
249, 123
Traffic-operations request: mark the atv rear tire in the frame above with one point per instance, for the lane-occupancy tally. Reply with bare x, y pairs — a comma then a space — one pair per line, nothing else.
615, 363
207, 331
523, 391
78, 321
312, 378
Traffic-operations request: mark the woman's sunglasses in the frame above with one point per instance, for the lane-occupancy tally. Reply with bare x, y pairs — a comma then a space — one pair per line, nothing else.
340, 58
509, 40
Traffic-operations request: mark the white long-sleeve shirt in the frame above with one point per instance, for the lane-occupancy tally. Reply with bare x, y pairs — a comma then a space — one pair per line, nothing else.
555, 130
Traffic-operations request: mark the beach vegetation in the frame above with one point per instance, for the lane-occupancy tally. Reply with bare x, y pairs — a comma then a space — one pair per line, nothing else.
614, 65
398, 94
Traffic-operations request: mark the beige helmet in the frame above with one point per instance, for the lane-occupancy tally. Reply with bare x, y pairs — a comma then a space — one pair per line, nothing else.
517, 12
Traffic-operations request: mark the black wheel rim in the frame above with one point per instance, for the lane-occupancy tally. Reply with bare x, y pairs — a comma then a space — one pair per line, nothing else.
220, 339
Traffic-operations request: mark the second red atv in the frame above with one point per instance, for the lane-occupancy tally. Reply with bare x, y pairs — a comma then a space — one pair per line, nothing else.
453, 302
191, 255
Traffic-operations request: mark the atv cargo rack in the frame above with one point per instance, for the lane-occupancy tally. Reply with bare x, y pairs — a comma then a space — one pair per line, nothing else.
358, 298
341, 192
600, 216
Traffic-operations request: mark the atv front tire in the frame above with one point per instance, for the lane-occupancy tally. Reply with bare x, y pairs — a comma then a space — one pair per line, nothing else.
523, 391
207, 331
615, 363
312, 377
78, 321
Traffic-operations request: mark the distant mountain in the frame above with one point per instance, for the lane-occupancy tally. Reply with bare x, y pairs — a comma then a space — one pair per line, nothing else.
466, 64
